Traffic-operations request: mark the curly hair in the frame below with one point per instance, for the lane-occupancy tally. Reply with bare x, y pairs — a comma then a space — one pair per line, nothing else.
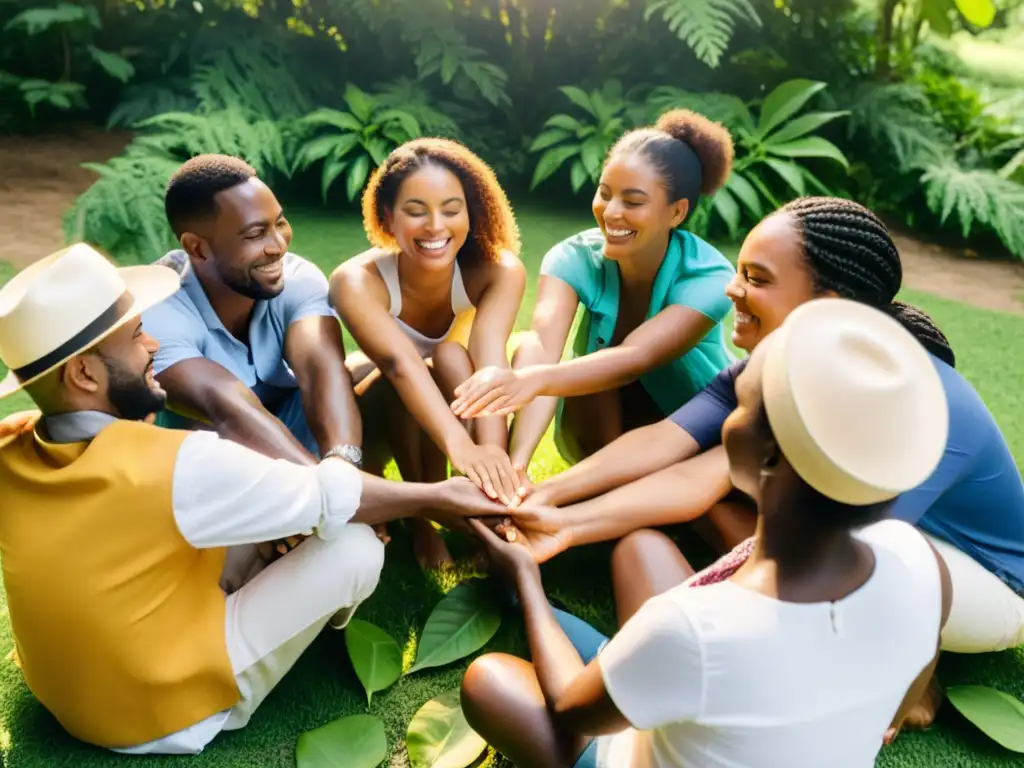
849, 250
693, 154
493, 225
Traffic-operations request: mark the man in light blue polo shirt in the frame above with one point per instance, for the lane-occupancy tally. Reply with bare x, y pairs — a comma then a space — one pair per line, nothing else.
249, 346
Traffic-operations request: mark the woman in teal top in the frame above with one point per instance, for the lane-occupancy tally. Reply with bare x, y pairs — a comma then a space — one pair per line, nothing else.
652, 294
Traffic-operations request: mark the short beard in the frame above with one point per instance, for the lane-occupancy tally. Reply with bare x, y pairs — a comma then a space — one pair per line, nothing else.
130, 394
246, 286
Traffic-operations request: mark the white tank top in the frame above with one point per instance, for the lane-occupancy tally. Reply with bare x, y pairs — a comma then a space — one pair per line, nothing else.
387, 266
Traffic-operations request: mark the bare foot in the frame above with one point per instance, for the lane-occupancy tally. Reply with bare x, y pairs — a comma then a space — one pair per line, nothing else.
431, 551
921, 715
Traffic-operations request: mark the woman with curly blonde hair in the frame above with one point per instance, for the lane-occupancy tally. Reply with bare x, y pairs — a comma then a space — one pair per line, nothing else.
434, 300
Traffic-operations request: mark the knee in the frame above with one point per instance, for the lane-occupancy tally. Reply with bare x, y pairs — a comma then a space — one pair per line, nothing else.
632, 546
450, 357
479, 684
359, 554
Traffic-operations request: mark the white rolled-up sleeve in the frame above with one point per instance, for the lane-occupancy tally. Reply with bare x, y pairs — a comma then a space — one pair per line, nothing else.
225, 494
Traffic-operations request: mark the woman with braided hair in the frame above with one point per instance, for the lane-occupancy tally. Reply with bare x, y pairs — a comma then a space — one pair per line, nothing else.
971, 508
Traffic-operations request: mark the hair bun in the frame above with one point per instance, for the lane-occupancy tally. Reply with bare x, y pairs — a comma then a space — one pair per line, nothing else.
710, 140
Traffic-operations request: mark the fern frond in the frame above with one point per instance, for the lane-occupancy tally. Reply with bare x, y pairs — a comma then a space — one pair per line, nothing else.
123, 211
723, 108
259, 142
978, 197
705, 25
900, 120
255, 77
149, 99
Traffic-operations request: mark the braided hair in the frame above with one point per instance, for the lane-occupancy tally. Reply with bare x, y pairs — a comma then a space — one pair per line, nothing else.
849, 251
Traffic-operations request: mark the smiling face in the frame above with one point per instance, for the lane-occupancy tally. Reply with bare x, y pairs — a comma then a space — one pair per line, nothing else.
248, 239
746, 434
430, 218
772, 279
632, 207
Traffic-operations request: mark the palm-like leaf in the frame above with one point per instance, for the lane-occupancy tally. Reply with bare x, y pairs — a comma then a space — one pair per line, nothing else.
705, 25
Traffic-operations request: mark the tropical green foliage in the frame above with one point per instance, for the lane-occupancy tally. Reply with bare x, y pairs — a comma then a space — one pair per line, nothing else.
353, 142
541, 89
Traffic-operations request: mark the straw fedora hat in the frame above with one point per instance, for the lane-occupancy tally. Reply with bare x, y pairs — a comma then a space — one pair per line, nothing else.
854, 401
65, 303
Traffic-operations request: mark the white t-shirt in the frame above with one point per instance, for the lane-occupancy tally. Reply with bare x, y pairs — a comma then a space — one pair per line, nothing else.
721, 676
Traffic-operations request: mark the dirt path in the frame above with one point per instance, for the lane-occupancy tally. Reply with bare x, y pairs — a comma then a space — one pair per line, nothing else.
41, 176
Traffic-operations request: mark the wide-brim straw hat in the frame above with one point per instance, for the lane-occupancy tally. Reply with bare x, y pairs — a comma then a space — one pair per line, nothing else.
65, 303
855, 402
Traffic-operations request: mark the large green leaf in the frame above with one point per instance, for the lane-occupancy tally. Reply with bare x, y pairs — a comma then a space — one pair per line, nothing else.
729, 210
784, 102
462, 623
440, 737
332, 117
580, 98
810, 146
803, 125
549, 138
409, 123
937, 14
790, 173
579, 175
333, 168
981, 13
359, 102
744, 191
113, 65
591, 155
551, 161
357, 176
565, 122
36, 20
997, 714
375, 656
349, 742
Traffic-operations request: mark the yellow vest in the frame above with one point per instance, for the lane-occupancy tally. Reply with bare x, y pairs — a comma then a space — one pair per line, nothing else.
117, 620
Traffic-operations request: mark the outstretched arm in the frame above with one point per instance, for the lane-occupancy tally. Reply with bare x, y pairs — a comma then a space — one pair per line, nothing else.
361, 300
543, 344
205, 391
315, 351
696, 426
663, 338
492, 326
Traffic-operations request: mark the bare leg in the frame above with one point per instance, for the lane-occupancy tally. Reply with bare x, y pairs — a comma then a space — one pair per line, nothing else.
452, 366
593, 421
644, 564
503, 702
390, 431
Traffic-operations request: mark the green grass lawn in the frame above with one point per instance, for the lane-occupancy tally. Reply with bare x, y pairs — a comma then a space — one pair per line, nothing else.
323, 686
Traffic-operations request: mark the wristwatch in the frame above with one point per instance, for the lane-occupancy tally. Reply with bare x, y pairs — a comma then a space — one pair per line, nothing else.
350, 453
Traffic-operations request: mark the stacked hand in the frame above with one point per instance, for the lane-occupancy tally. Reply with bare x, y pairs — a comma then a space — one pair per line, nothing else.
511, 555
495, 392
490, 469
545, 529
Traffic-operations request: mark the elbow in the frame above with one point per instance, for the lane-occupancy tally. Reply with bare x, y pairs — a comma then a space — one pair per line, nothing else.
396, 368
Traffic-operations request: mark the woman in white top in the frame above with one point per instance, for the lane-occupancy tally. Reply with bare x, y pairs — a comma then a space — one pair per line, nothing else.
807, 652
432, 302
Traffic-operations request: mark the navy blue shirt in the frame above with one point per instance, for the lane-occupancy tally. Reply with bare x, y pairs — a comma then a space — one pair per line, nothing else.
975, 497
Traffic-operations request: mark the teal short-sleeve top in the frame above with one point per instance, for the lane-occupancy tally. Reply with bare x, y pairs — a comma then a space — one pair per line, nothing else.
693, 274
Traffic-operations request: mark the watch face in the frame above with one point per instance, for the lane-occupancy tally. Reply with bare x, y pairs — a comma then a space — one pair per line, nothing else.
351, 453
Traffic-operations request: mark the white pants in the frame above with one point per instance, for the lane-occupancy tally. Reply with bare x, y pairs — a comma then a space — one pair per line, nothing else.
274, 612
986, 615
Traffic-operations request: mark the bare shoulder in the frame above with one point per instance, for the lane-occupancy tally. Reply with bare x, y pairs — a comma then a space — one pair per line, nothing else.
507, 270
359, 277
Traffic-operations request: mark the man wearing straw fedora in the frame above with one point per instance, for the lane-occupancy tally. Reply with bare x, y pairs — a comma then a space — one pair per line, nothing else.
119, 530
